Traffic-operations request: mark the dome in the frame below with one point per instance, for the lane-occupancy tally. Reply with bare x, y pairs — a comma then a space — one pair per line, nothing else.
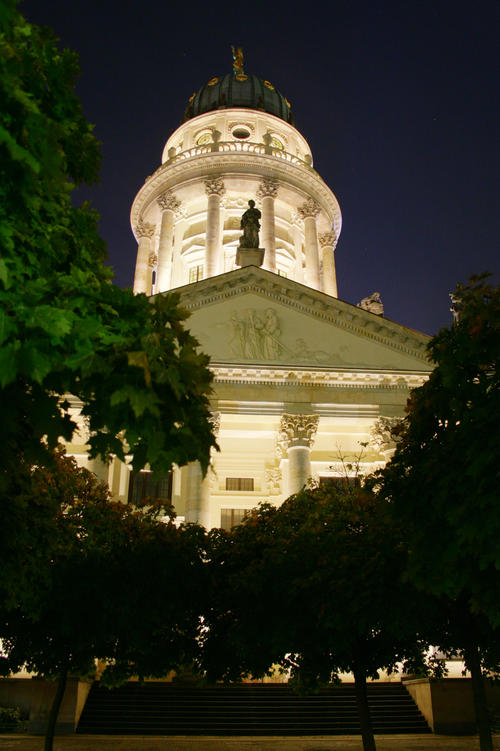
240, 90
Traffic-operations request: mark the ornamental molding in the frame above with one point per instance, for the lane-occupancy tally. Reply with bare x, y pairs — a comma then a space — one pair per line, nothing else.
309, 209
273, 481
145, 229
172, 176
214, 186
168, 202
310, 302
268, 188
327, 239
152, 260
232, 202
240, 123
294, 378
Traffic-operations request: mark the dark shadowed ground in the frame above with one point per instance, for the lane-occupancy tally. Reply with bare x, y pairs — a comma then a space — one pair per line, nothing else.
321, 743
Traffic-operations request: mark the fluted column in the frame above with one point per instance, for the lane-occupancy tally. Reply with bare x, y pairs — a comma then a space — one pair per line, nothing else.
328, 241
169, 204
143, 269
198, 488
296, 437
309, 211
267, 192
214, 187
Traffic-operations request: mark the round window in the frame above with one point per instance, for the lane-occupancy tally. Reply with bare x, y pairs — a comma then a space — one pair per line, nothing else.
241, 132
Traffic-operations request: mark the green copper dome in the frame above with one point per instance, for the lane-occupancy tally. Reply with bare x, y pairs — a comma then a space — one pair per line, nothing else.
239, 90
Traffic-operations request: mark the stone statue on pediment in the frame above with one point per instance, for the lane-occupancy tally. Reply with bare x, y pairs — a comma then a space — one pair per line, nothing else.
373, 304
250, 225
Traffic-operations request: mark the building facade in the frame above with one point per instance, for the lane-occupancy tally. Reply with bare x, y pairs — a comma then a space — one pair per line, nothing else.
305, 384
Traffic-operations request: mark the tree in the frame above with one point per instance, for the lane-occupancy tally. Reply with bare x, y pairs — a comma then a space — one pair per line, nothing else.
443, 481
313, 587
65, 328
120, 585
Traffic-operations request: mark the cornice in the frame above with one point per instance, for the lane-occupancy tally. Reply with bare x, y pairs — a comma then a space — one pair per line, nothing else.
325, 377
309, 302
172, 176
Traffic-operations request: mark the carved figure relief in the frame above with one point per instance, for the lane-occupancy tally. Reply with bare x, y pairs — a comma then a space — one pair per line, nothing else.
256, 335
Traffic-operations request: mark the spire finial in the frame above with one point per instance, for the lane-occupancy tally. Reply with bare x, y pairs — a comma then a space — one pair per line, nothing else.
237, 60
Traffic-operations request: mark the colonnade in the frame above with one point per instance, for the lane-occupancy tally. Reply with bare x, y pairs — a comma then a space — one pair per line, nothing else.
319, 271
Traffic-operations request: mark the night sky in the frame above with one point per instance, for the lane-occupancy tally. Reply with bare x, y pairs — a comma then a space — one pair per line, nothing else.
399, 102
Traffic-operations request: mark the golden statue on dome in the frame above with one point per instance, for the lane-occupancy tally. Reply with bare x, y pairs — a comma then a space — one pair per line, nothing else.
237, 61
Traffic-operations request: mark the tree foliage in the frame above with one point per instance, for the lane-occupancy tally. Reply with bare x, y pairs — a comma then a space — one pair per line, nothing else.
444, 477
314, 588
443, 482
64, 327
120, 585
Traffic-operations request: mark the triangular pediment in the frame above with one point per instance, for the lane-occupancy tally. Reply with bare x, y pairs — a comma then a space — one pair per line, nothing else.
252, 316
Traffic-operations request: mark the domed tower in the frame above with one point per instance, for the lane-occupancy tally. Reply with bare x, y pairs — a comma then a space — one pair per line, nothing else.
301, 378
237, 142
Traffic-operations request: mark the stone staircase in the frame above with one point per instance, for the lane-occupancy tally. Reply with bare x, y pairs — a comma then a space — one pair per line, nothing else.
159, 708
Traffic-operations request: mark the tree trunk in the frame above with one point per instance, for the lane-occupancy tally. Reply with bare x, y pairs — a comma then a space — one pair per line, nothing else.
363, 710
473, 662
54, 710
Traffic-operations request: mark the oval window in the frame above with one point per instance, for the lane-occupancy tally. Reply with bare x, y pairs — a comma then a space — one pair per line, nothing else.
204, 139
241, 133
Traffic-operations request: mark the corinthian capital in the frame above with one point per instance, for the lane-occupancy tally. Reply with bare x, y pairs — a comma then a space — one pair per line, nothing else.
214, 186
145, 229
214, 420
309, 208
297, 429
168, 201
268, 187
327, 239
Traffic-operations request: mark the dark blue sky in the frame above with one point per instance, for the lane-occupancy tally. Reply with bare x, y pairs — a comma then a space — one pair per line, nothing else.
398, 100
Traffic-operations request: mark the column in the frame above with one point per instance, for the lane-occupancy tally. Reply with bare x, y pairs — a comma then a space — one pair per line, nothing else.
143, 270
309, 211
198, 496
267, 192
169, 205
328, 241
214, 187
296, 436
177, 278
198, 487
297, 245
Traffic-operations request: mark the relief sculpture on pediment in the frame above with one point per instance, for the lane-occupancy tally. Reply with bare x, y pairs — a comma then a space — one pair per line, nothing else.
256, 335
